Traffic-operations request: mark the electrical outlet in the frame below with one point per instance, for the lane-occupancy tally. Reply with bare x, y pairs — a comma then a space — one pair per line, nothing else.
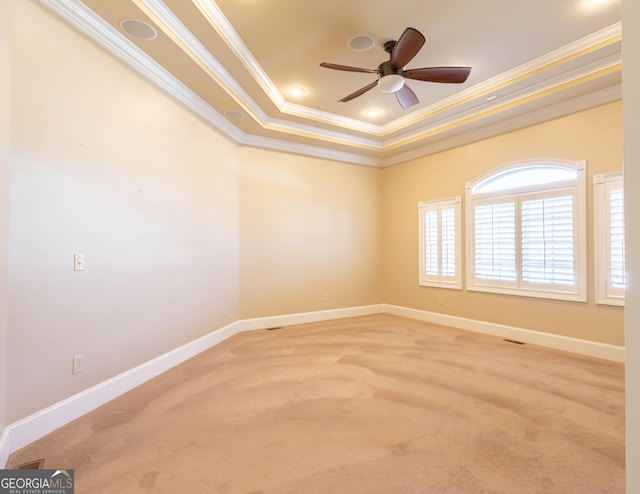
77, 365
325, 297
441, 300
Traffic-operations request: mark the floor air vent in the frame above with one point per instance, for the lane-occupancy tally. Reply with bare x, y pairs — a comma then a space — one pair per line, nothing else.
514, 341
273, 329
32, 465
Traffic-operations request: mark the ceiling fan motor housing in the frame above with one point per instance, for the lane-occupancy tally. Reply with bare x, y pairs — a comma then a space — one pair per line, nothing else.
391, 78
386, 68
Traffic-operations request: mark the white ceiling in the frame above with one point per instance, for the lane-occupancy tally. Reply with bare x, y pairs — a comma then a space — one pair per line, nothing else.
531, 61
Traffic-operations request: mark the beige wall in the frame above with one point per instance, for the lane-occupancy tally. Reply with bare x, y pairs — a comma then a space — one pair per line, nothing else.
184, 232
594, 135
631, 111
5, 174
165, 215
308, 228
108, 166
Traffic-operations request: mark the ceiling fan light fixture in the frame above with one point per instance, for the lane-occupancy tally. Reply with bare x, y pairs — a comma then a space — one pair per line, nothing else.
391, 83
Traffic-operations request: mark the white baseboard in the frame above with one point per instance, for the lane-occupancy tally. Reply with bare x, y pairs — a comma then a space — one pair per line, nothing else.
574, 345
39, 424
4, 447
305, 317
33, 427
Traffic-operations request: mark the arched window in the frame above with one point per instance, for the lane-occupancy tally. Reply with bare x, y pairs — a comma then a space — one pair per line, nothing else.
526, 230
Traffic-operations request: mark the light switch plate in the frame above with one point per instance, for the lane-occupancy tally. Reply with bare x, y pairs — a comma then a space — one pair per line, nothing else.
78, 262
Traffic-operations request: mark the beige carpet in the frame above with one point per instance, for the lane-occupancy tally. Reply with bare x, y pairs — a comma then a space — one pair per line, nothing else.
375, 404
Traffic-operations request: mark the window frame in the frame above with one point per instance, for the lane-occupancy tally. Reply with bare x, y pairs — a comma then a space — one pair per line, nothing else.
576, 292
602, 185
441, 281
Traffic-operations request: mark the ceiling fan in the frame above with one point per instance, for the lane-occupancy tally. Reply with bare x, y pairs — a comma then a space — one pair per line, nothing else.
392, 74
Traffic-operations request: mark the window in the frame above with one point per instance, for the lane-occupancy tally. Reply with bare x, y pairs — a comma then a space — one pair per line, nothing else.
440, 243
526, 230
609, 239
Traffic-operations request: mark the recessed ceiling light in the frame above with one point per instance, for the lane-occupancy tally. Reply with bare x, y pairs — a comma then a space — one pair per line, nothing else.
596, 2
297, 91
233, 114
361, 43
139, 29
491, 97
372, 113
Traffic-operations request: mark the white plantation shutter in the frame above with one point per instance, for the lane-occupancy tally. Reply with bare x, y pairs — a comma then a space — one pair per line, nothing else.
616, 234
440, 243
495, 242
448, 261
609, 237
548, 243
527, 230
431, 242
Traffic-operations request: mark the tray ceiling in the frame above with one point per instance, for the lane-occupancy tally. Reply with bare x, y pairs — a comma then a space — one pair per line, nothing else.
236, 62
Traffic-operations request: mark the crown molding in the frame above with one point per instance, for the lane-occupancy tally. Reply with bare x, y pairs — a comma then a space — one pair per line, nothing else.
219, 22
92, 25
608, 35
574, 105
311, 151
173, 27
518, 98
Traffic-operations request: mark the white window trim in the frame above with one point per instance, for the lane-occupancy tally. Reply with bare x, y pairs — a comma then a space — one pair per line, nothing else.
605, 294
452, 282
578, 293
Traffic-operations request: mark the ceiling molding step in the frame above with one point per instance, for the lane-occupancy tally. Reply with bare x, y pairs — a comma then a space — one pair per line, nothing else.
574, 105
175, 29
612, 32
311, 151
89, 23
297, 110
517, 98
92, 25
86, 21
228, 33
322, 134
219, 22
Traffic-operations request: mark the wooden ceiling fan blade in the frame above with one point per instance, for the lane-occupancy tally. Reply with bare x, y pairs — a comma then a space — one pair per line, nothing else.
407, 47
448, 75
406, 97
347, 68
360, 91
